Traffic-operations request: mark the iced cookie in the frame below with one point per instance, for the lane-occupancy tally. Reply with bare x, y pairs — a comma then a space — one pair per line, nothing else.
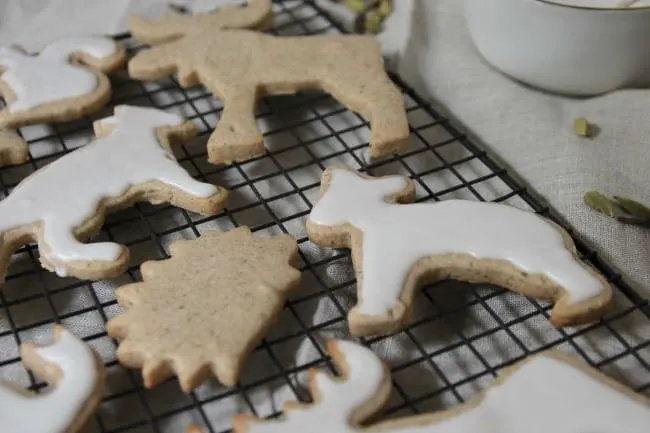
240, 66
13, 149
203, 310
65, 81
397, 248
76, 375
550, 392
64, 203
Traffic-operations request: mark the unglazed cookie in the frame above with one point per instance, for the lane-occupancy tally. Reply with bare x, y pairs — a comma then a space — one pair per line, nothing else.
545, 393
13, 149
64, 203
76, 375
397, 248
203, 310
240, 66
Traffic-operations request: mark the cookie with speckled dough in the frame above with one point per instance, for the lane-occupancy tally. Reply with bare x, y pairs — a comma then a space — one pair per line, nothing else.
398, 247
548, 392
76, 374
202, 311
63, 204
240, 66
65, 81
13, 149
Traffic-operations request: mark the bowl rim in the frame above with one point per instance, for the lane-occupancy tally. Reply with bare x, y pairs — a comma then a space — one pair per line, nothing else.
589, 8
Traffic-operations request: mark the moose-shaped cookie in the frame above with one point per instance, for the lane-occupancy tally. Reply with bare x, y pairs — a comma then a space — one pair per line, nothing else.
239, 66
398, 247
549, 392
64, 203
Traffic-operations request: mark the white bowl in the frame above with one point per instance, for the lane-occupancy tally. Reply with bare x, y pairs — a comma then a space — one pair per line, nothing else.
563, 49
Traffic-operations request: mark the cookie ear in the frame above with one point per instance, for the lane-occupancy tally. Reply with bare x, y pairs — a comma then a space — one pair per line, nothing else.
346, 193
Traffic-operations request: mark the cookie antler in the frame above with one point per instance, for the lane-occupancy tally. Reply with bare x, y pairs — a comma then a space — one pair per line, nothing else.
257, 15
340, 403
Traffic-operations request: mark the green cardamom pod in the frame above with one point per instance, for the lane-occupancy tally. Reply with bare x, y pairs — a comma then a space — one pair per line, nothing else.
600, 203
373, 22
358, 6
635, 209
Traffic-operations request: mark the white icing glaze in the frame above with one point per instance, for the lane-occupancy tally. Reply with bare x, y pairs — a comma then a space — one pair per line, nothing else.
340, 397
200, 6
65, 193
56, 410
544, 395
396, 236
49, 76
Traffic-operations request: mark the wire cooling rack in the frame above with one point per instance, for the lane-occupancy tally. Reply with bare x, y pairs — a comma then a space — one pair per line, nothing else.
462, 335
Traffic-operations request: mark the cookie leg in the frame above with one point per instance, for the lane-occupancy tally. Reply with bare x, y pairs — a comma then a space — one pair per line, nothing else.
13, 149
182, 190
381, 102
64, 254
237, 137
383, 298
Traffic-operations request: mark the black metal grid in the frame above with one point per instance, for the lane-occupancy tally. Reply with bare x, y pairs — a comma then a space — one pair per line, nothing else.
462, 335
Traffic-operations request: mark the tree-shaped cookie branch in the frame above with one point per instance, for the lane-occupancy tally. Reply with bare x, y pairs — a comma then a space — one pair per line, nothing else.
240, 66
203, 310
550, 391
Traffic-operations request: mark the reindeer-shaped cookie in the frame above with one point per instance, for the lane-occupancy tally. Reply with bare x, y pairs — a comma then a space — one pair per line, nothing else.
550, 392
77, 377
65, 81
239, 66
64, 203
396, 248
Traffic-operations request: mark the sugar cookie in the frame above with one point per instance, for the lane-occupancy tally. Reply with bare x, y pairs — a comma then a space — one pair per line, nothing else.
65, 81
397, 248
256, 15
64, 203
240, 66
77, 376
203, 310
550, 392
13, 149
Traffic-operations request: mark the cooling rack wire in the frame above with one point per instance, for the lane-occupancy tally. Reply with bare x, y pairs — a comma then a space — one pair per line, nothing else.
462, 335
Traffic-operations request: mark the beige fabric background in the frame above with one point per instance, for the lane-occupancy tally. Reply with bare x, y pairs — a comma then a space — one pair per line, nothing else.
532, 132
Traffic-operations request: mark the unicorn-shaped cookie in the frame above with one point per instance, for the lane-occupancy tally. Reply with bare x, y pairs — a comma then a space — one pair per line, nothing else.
239, 66
396, 248
77, 377
550, 392
64, 203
